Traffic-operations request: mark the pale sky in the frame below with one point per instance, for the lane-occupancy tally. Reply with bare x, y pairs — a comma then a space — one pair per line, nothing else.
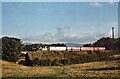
53, 22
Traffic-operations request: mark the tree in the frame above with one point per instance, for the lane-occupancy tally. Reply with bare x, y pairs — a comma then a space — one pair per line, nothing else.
58, 44
11, 48
32, 47
35, 47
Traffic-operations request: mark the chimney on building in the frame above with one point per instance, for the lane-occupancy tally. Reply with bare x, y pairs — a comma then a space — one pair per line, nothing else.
112, 32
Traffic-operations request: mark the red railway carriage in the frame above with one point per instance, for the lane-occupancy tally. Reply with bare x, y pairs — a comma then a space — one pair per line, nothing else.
75, 48
86, 48
96, 48
69, 48
92, 48
101, 48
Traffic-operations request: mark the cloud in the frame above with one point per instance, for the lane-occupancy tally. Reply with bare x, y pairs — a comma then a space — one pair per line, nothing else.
110, 2
62, 36
82, 38
96, 4
49, 37
61, 31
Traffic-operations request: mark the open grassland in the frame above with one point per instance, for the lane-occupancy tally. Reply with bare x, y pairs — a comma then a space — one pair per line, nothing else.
108, 68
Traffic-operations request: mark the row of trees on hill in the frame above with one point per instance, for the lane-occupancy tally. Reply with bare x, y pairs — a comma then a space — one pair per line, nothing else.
32, 47
109, 43
35, 47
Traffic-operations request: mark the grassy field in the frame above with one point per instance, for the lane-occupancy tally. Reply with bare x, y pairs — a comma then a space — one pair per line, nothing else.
108, 68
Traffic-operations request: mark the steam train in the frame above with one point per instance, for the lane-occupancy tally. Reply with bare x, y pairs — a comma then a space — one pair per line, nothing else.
55, 48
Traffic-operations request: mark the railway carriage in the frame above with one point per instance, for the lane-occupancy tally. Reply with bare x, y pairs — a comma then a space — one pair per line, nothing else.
57, 48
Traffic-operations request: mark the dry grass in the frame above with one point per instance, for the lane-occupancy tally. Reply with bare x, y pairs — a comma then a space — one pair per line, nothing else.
95, 69
12, 69
92, 69
107, 68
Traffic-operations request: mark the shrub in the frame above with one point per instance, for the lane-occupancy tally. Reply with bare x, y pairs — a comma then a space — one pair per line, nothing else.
55, 62
49, 62
11, 48
36, 61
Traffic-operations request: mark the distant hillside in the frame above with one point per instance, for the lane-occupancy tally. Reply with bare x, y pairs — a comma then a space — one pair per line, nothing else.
27, 43
67, 44
73, 45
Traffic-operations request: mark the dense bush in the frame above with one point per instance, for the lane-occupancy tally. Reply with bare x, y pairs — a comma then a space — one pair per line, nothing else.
11, 48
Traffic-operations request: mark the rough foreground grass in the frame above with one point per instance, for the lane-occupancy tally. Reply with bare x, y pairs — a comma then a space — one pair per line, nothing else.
108, 68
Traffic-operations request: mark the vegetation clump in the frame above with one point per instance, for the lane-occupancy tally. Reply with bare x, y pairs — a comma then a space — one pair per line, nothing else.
11, 48
58, 58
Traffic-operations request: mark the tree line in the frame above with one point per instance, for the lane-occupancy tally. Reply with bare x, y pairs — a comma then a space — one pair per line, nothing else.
35, 47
